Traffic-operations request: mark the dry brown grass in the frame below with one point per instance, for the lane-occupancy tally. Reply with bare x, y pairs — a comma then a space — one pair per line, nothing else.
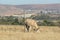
16, 32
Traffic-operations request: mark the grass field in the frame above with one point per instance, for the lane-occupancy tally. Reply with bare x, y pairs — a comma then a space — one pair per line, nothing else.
16, 32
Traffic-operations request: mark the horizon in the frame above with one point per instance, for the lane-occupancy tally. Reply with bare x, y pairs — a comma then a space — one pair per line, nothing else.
24, 2
30, 4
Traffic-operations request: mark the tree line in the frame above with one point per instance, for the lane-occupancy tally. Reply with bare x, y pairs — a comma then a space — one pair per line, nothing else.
11, 20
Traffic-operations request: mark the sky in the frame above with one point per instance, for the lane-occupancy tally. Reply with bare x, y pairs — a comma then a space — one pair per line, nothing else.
22, 2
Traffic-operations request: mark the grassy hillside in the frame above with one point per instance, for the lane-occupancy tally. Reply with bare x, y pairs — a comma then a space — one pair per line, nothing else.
16, 32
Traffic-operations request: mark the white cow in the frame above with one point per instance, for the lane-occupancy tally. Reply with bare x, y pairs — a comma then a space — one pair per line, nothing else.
30, 23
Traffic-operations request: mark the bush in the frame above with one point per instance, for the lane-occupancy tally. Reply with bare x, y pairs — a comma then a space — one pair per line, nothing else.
47, 23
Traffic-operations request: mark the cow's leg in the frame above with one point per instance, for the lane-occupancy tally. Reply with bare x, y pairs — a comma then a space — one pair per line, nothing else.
27, 27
